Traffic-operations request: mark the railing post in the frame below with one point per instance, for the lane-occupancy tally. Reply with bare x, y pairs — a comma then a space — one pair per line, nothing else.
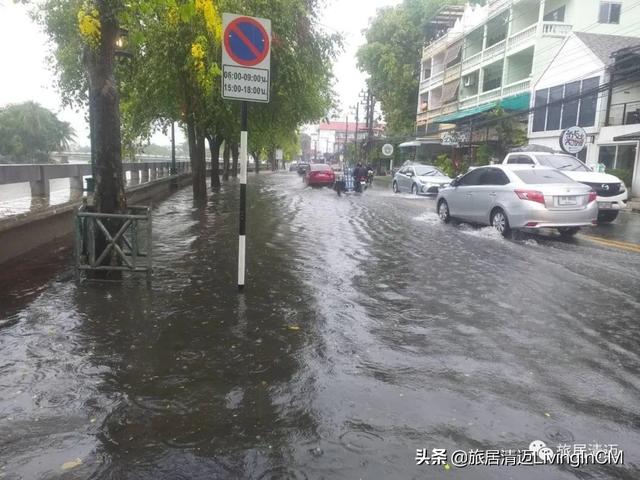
154, 172
76, 186
135, 176
40, 187
145, 173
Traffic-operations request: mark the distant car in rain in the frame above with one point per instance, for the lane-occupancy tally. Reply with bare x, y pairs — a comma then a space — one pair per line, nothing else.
512, 197
293, 167
320, 175
303, 168
419, 180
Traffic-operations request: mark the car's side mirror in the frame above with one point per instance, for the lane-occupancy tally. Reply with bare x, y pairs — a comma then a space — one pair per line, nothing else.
456, 181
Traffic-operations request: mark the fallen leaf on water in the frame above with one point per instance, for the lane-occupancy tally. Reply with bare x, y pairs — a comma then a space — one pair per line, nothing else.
72, 464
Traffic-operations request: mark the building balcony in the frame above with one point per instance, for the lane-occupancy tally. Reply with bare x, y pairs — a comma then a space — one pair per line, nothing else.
521, 40
516, 88
487, 96
421, 118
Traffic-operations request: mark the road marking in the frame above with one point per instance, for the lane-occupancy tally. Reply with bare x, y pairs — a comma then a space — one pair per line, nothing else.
630, 247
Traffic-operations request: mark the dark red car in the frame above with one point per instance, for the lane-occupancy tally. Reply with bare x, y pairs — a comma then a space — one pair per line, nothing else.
320, 175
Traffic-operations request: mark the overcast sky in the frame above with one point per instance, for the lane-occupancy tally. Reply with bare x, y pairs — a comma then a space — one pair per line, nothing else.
25, 74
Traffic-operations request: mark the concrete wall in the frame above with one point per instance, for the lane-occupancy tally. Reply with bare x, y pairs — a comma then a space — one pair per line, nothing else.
21, 233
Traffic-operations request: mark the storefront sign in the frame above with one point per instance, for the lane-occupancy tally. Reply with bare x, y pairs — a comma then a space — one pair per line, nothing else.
453, 139
387, 149
573, 140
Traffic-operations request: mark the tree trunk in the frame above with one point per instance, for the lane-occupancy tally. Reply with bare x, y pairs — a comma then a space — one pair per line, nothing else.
103, 93
225, 164
256, 158
272, 158
235, 153
198, 161
214, 146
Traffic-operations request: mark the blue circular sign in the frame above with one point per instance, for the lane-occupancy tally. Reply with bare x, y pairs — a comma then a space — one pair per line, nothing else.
246, 41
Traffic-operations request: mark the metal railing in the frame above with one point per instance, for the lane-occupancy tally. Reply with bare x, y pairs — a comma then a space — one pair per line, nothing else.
627, 113
113, 242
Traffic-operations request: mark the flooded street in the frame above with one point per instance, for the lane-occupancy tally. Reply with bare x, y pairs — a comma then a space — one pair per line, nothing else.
368, 330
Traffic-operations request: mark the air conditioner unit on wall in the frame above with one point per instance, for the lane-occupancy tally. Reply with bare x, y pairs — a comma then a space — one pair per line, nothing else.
469, 81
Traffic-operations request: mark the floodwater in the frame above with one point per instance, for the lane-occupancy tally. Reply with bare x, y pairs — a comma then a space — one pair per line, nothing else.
367, 330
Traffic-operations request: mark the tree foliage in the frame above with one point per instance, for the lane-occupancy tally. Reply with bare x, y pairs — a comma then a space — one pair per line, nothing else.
29, 132
174, 73
392, 56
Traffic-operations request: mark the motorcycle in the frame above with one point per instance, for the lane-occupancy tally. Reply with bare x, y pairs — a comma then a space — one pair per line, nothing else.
370, 178
361, 184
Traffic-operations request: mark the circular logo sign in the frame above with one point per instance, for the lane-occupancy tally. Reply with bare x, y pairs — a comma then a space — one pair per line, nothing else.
573, 140
387, 149
246, 41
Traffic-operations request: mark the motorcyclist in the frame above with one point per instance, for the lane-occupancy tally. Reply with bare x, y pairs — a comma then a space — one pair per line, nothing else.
370, 174
359, 175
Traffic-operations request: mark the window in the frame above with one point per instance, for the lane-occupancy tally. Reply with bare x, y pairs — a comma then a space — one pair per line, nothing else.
588, 103
541, 176
621, 157
556, 15
562, 162
540, 112
472, 178
520, 160
570, 107
609, 12
554, 108
493, 176
566, 105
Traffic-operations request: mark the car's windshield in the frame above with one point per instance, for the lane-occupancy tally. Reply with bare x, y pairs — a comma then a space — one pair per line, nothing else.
562, 162
426, 170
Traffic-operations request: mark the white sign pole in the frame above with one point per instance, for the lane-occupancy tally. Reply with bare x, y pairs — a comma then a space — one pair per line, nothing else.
242, 242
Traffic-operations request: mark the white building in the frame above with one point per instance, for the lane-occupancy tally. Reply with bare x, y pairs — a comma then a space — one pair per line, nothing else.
491, 55
611, 117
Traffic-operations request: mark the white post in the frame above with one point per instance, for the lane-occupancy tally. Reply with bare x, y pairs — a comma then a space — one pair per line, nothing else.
243, 198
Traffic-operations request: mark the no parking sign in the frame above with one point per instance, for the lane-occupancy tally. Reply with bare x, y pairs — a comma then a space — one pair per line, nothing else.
246, 58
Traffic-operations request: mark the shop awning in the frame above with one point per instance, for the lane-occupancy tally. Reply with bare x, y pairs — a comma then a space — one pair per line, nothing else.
467, 112
514, 103
627, 137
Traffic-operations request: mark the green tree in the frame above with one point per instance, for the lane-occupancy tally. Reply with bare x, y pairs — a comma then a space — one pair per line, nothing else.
29, 132
510, 131
392, 56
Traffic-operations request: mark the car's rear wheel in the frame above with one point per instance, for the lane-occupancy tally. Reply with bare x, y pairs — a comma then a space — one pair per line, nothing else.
414, 189
443, 211
500, 222
607, 216
395, 187
568, 231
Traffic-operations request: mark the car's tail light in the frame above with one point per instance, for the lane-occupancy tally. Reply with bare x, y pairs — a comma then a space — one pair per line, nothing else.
532, 195
592, 196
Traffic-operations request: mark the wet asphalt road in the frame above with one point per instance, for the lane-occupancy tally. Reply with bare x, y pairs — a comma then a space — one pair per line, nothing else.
368, 330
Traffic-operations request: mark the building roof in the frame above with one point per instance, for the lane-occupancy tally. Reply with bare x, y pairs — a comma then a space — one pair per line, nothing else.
342, 126
603, 46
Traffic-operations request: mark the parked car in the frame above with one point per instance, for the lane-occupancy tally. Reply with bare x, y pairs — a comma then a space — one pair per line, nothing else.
519, 196
303, 168
419, 180
320, 175
611, 191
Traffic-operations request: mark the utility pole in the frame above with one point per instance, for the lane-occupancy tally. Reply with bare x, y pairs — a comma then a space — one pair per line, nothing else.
346, 139
355, 155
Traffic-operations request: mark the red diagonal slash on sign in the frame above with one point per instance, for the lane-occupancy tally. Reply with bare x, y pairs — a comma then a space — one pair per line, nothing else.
246, 41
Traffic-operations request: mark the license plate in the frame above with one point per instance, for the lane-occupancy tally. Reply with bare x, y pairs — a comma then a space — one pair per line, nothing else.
604, 205
563, 201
